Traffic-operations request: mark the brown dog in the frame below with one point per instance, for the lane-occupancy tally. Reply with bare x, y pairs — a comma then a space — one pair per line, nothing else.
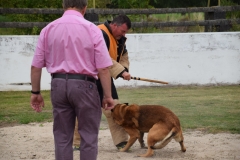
161, 124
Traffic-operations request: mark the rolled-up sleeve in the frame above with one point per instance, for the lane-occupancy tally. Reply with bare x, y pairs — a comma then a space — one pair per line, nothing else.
38, 58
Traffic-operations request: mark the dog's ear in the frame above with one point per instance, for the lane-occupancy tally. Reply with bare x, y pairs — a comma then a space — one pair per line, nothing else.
122, 110
114, 107
133, 110
118, 113
135, 121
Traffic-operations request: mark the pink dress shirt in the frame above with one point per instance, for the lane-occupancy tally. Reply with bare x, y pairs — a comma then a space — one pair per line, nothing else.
71, 44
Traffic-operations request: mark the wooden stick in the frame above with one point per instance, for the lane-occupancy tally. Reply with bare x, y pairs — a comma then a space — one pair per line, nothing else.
149, 80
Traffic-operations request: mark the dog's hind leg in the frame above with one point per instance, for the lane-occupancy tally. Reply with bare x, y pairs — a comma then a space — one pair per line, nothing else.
157, 133
163, 143
183, 148
179, 138
166, 140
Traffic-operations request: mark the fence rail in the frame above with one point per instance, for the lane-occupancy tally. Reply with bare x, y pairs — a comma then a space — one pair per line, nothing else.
207, 22
121, 11
134, 24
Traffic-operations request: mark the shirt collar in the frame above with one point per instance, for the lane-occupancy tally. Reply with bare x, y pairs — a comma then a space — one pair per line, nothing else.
72, 12
107, 24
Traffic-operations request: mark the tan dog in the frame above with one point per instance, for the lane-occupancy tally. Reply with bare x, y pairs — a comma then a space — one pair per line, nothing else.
161, 124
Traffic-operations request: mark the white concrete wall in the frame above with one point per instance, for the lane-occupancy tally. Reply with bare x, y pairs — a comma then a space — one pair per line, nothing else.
180, 59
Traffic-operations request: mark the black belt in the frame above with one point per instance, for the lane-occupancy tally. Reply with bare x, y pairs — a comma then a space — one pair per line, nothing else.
74, 76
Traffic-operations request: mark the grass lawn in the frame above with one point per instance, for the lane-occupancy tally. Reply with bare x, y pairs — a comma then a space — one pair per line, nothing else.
209, 108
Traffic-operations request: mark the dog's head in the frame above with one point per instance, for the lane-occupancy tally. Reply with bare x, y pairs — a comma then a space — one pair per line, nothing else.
118, 104
123, 113
118, 113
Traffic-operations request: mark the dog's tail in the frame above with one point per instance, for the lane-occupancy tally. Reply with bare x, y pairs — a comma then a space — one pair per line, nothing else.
166, 140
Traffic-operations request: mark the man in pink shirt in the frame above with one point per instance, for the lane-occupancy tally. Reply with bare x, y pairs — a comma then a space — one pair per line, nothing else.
74, 52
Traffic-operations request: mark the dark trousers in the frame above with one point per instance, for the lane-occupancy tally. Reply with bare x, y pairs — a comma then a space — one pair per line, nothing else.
71, 98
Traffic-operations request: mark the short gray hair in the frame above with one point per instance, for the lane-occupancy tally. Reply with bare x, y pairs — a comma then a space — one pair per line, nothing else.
79, 4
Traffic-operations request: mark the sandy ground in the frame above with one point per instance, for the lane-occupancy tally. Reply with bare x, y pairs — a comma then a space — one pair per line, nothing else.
35, 141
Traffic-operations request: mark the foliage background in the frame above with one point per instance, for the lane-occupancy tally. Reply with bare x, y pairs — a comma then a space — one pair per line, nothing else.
126, 4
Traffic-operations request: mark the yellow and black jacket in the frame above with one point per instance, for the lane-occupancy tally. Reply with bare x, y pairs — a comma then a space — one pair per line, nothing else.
117, 50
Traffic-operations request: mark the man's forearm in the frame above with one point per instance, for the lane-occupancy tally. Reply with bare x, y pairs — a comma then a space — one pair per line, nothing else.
36, 78
105, 79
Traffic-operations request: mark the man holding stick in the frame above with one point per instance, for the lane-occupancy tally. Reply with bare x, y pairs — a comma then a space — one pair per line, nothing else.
114, 34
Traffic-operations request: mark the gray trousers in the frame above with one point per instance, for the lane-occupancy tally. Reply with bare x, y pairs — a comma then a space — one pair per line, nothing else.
73, 98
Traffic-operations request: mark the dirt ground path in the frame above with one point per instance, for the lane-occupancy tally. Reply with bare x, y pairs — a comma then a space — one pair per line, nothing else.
35, 141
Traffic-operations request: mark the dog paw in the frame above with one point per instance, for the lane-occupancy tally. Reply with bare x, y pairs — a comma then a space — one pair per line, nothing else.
125, 150
143, 145
122, 150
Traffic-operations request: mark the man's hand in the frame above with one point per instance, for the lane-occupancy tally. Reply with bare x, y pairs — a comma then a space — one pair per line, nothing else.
126, 76
107, 103
37, 102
